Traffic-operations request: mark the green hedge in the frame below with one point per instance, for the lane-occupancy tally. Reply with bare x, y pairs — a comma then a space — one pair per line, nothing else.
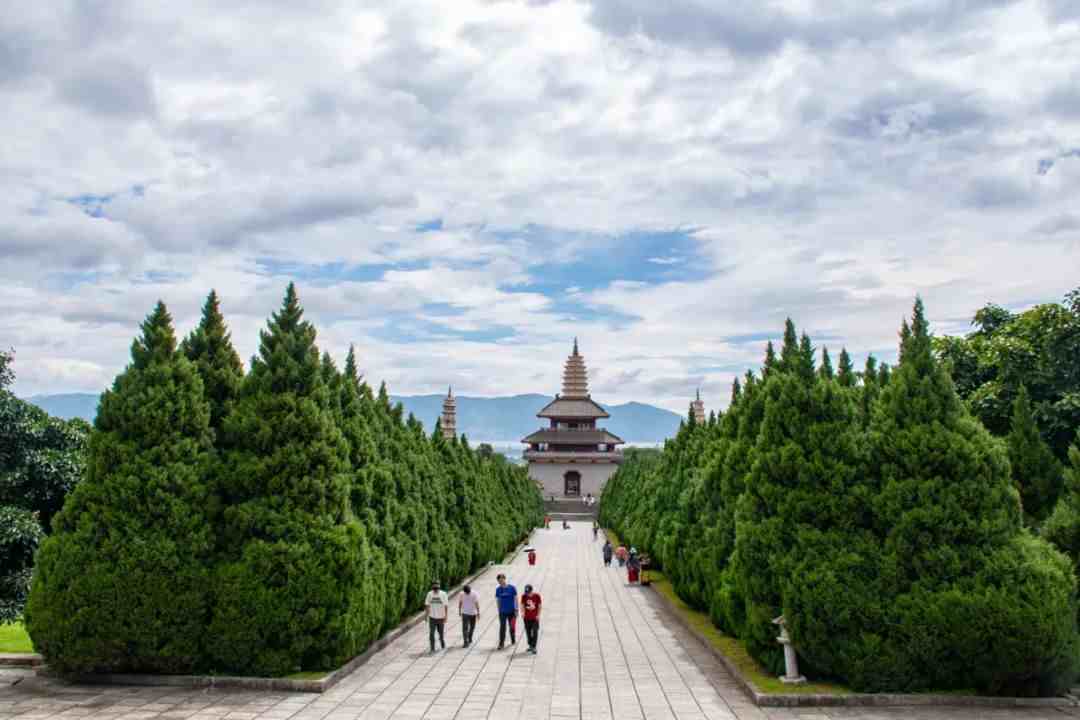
878, 517
267, 523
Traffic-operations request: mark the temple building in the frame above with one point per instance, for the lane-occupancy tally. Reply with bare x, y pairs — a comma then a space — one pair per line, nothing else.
572, 457
448, 421
697, 408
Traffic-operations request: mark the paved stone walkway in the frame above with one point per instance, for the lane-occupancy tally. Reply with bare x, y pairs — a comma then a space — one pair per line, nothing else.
607, 652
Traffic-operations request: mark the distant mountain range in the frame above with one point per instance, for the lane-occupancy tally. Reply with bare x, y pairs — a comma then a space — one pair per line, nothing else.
497, 419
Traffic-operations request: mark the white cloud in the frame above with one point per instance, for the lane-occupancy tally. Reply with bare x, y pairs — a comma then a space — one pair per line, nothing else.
832, 159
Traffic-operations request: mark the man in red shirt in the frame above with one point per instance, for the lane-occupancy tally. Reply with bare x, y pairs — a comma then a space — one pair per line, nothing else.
530, 612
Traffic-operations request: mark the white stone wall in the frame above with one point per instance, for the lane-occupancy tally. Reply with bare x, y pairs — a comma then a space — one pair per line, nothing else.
593, 477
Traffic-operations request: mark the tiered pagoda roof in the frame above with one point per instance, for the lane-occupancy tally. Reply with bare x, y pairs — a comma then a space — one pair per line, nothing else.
574, 402
582, 437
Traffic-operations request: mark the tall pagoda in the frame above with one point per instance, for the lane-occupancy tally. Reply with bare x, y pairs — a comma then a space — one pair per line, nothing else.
448, 421
571, 456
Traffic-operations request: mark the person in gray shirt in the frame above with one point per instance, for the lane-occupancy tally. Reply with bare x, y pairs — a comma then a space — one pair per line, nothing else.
469, 610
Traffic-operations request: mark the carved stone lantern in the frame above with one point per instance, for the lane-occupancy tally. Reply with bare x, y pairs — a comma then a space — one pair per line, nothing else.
791, 662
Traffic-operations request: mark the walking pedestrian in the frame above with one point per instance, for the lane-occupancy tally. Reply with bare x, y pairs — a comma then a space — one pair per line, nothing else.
530, 613
633, 566
506, 597
469, 611
436, 603
621, 555
608, 552
532, 556
595, 530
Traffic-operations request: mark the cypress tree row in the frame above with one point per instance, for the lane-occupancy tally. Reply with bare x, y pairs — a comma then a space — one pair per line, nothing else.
123, 582
266, 523
880, 519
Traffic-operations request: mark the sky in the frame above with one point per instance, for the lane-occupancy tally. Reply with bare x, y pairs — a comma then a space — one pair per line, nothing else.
460, 189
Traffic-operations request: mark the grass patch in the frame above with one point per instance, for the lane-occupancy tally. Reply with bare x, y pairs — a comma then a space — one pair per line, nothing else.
734, 650
308, 675
13, 639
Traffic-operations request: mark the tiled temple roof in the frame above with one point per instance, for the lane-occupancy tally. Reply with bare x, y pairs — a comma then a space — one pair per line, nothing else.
573, 437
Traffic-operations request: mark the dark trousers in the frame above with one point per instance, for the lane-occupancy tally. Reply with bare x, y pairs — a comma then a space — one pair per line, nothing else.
468, 625
433, 627
504, 620
532, 632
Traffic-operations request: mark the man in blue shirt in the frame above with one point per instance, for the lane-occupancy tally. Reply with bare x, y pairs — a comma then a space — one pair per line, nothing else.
506, 598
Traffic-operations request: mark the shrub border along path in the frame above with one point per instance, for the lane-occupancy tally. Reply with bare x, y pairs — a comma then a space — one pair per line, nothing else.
303, 683
805, 696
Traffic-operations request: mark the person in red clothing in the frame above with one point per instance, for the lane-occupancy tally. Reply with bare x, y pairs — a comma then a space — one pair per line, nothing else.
530, 612
532, 556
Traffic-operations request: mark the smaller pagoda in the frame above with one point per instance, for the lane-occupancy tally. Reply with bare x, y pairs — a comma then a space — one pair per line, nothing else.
448, 421
697, 409
572, 457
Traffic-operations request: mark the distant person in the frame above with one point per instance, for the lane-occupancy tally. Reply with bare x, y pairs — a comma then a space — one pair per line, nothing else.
547, 522
469, 610
608, 552
565, 525
621, 555
530, 613
506, 598
595, 530
587, 499
532, 556
633, 567
436, 603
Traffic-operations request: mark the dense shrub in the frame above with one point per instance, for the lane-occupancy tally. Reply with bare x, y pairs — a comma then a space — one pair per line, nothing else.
41, 460
123, 583
20, 534
881, 520
293, 514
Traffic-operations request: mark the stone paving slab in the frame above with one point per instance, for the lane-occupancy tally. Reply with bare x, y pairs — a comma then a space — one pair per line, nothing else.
607, 652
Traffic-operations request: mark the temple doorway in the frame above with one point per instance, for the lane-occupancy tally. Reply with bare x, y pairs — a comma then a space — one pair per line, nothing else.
573, 483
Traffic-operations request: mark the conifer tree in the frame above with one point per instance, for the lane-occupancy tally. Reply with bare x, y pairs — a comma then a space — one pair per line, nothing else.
884, 375
1062, 528
1035, 470
805, 365
826, 369
800, 498
789, 351
770, 360
284, 588
869, 391
210, 348
122, 584
948, 517
845, 373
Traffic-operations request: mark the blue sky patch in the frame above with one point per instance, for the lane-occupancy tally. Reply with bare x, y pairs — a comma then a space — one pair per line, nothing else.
596, 261
328, 274
406, 328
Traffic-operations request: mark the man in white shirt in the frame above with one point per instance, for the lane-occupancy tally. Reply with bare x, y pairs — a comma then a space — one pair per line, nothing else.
436, 603
469, 610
